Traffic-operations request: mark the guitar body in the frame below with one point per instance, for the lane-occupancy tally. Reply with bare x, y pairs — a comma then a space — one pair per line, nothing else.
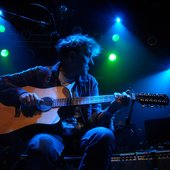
10, 122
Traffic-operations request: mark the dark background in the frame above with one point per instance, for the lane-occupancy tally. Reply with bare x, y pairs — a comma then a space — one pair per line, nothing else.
147, 20
144, 18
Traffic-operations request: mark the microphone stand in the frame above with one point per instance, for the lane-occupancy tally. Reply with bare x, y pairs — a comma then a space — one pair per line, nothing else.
26, 18
128, 119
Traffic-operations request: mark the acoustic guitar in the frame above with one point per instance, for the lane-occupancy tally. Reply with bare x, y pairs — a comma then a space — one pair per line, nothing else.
46, 110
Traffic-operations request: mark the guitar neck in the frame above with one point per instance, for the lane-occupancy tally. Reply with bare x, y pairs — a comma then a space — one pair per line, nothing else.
93, 99
83, 100
149, 99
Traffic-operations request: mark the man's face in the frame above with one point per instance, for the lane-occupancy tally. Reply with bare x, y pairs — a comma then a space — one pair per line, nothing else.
77, 63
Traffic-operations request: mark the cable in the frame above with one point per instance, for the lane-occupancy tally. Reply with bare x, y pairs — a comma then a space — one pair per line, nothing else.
55, 33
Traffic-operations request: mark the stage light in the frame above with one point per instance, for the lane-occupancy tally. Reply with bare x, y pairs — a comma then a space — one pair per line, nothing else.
115, 37
4, 53
112, 57
0, 12
2, 28
118, 19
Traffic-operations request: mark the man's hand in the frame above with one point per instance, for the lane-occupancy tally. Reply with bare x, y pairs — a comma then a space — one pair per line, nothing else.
28, 104
28, 99
123, 99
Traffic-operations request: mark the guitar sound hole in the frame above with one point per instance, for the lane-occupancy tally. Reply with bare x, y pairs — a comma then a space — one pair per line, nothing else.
45, 104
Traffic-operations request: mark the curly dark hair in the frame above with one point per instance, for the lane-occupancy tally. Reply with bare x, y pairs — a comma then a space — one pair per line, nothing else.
78, 43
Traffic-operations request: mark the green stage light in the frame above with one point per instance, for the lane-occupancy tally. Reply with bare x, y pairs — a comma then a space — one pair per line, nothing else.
115, 37
2, 28
112, 57
4, 53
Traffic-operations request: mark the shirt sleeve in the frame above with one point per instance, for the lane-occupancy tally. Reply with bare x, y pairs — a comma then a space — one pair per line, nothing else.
11, 85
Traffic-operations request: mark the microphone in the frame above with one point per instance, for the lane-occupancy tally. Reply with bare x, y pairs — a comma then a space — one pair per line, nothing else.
44, 23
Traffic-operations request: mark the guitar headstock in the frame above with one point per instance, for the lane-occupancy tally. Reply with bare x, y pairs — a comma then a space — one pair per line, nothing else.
152, 100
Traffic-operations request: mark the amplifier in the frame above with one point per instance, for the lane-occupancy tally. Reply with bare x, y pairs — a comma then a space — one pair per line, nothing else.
147, 160
141, 156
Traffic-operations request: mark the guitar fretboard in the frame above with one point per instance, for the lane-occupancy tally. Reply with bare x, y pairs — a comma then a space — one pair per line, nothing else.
83, 100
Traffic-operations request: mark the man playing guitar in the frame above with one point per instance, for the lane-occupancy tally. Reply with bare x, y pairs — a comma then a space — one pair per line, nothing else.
63, 101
